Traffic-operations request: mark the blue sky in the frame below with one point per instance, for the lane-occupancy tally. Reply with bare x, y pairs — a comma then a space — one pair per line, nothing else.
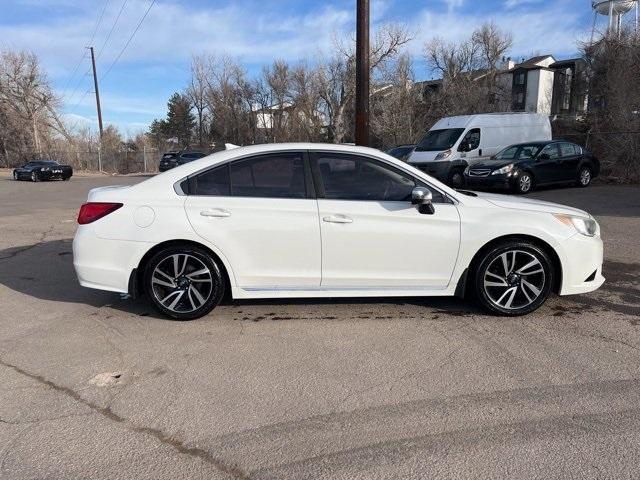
156, 63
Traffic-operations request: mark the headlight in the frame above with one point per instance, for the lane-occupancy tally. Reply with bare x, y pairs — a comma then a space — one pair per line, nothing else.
443, 155
585, 226
45, 169
503, 170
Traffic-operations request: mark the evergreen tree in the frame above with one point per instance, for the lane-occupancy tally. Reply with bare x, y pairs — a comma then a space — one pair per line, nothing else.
180, 120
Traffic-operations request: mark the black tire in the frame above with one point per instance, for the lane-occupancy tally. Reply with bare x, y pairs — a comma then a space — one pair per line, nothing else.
584, 177
66, 178
513, 293
35, 177
456, 178
524, 183
188, 305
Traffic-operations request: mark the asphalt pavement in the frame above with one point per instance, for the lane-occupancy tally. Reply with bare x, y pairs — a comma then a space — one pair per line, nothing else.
96, 386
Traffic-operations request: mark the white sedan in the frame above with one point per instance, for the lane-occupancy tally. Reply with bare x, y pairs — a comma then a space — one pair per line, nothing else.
312, 220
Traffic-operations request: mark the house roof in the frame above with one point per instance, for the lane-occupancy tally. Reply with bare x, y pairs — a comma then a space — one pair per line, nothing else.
533, 62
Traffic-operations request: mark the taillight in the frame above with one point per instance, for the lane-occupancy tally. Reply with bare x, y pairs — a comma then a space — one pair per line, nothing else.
92, 211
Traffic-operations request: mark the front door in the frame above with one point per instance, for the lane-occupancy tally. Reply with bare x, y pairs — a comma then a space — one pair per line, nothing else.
259, 212
372, 237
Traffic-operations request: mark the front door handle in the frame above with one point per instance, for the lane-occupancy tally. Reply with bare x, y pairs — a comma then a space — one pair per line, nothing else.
215, 212
337, 219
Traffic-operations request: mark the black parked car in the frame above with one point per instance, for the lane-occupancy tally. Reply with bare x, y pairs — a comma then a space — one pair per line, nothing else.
172, 159
401, 152
524, 166
43, 170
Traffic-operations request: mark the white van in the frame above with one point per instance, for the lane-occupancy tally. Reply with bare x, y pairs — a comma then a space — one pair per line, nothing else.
453, 143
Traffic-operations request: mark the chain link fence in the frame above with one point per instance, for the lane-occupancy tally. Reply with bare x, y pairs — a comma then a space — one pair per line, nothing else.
122, 162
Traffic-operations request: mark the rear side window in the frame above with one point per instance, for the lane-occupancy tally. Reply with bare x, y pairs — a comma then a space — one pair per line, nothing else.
270, 176
266, 176
213, 182
567, 149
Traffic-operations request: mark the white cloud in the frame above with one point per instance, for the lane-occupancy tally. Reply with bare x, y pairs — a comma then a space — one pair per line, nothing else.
517, 3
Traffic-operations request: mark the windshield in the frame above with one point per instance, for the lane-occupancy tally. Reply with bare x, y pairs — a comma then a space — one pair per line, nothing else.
438, 140
519, 152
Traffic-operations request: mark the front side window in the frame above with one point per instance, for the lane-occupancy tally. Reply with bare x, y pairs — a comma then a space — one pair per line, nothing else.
349, 177
471, 140
438, 140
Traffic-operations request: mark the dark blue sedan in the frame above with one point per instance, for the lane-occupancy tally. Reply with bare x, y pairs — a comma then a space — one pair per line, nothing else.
40, 170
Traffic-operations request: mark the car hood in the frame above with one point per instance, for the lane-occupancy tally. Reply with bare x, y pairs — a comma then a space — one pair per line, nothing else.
529, 204
494, 164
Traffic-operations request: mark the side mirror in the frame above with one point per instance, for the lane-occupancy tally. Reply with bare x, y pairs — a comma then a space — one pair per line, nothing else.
544, 156
422, 197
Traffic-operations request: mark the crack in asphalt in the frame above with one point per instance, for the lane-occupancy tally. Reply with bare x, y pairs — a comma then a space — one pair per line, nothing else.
159, 435
19, 250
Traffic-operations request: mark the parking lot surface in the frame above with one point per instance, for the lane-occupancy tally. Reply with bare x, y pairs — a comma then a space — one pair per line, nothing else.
95, 386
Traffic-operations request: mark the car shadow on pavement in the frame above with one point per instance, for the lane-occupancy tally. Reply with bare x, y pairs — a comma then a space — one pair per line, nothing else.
45, 271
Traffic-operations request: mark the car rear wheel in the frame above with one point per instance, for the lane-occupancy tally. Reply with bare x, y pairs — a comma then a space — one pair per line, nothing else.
35, 177
524, 183
183, 282
513, 278
584, 177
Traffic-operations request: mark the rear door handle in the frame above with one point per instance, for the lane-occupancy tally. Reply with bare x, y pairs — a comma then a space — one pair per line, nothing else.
215, 212
337, 219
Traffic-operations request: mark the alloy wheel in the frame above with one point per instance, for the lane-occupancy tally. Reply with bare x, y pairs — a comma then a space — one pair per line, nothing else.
514, 280
585, 177
182, 283
524, 183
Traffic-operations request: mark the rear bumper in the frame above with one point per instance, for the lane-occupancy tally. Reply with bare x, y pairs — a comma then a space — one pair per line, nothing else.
105, 264
581, 265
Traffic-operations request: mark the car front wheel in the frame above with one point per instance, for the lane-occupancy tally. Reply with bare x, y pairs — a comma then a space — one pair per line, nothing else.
183, 283
513, 278
35, 177
524, 183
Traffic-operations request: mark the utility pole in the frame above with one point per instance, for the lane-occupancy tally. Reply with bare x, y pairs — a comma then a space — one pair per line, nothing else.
362, 73
95, 84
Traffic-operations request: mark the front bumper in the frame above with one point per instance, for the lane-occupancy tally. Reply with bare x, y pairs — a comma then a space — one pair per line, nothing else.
490, 182
582, 259
163, 167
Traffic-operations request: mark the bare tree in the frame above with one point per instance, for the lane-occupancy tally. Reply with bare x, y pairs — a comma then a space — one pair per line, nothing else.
197, 94
337, 76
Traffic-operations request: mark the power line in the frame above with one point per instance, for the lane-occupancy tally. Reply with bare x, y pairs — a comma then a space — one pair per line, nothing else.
128, 41
95, 30
84, 53
112, 28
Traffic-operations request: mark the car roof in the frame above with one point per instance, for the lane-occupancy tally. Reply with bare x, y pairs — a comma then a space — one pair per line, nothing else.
223, 156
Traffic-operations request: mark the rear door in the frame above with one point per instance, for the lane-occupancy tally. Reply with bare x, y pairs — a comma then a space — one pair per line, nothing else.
261, 214
570, 159
372, 237
548, 170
